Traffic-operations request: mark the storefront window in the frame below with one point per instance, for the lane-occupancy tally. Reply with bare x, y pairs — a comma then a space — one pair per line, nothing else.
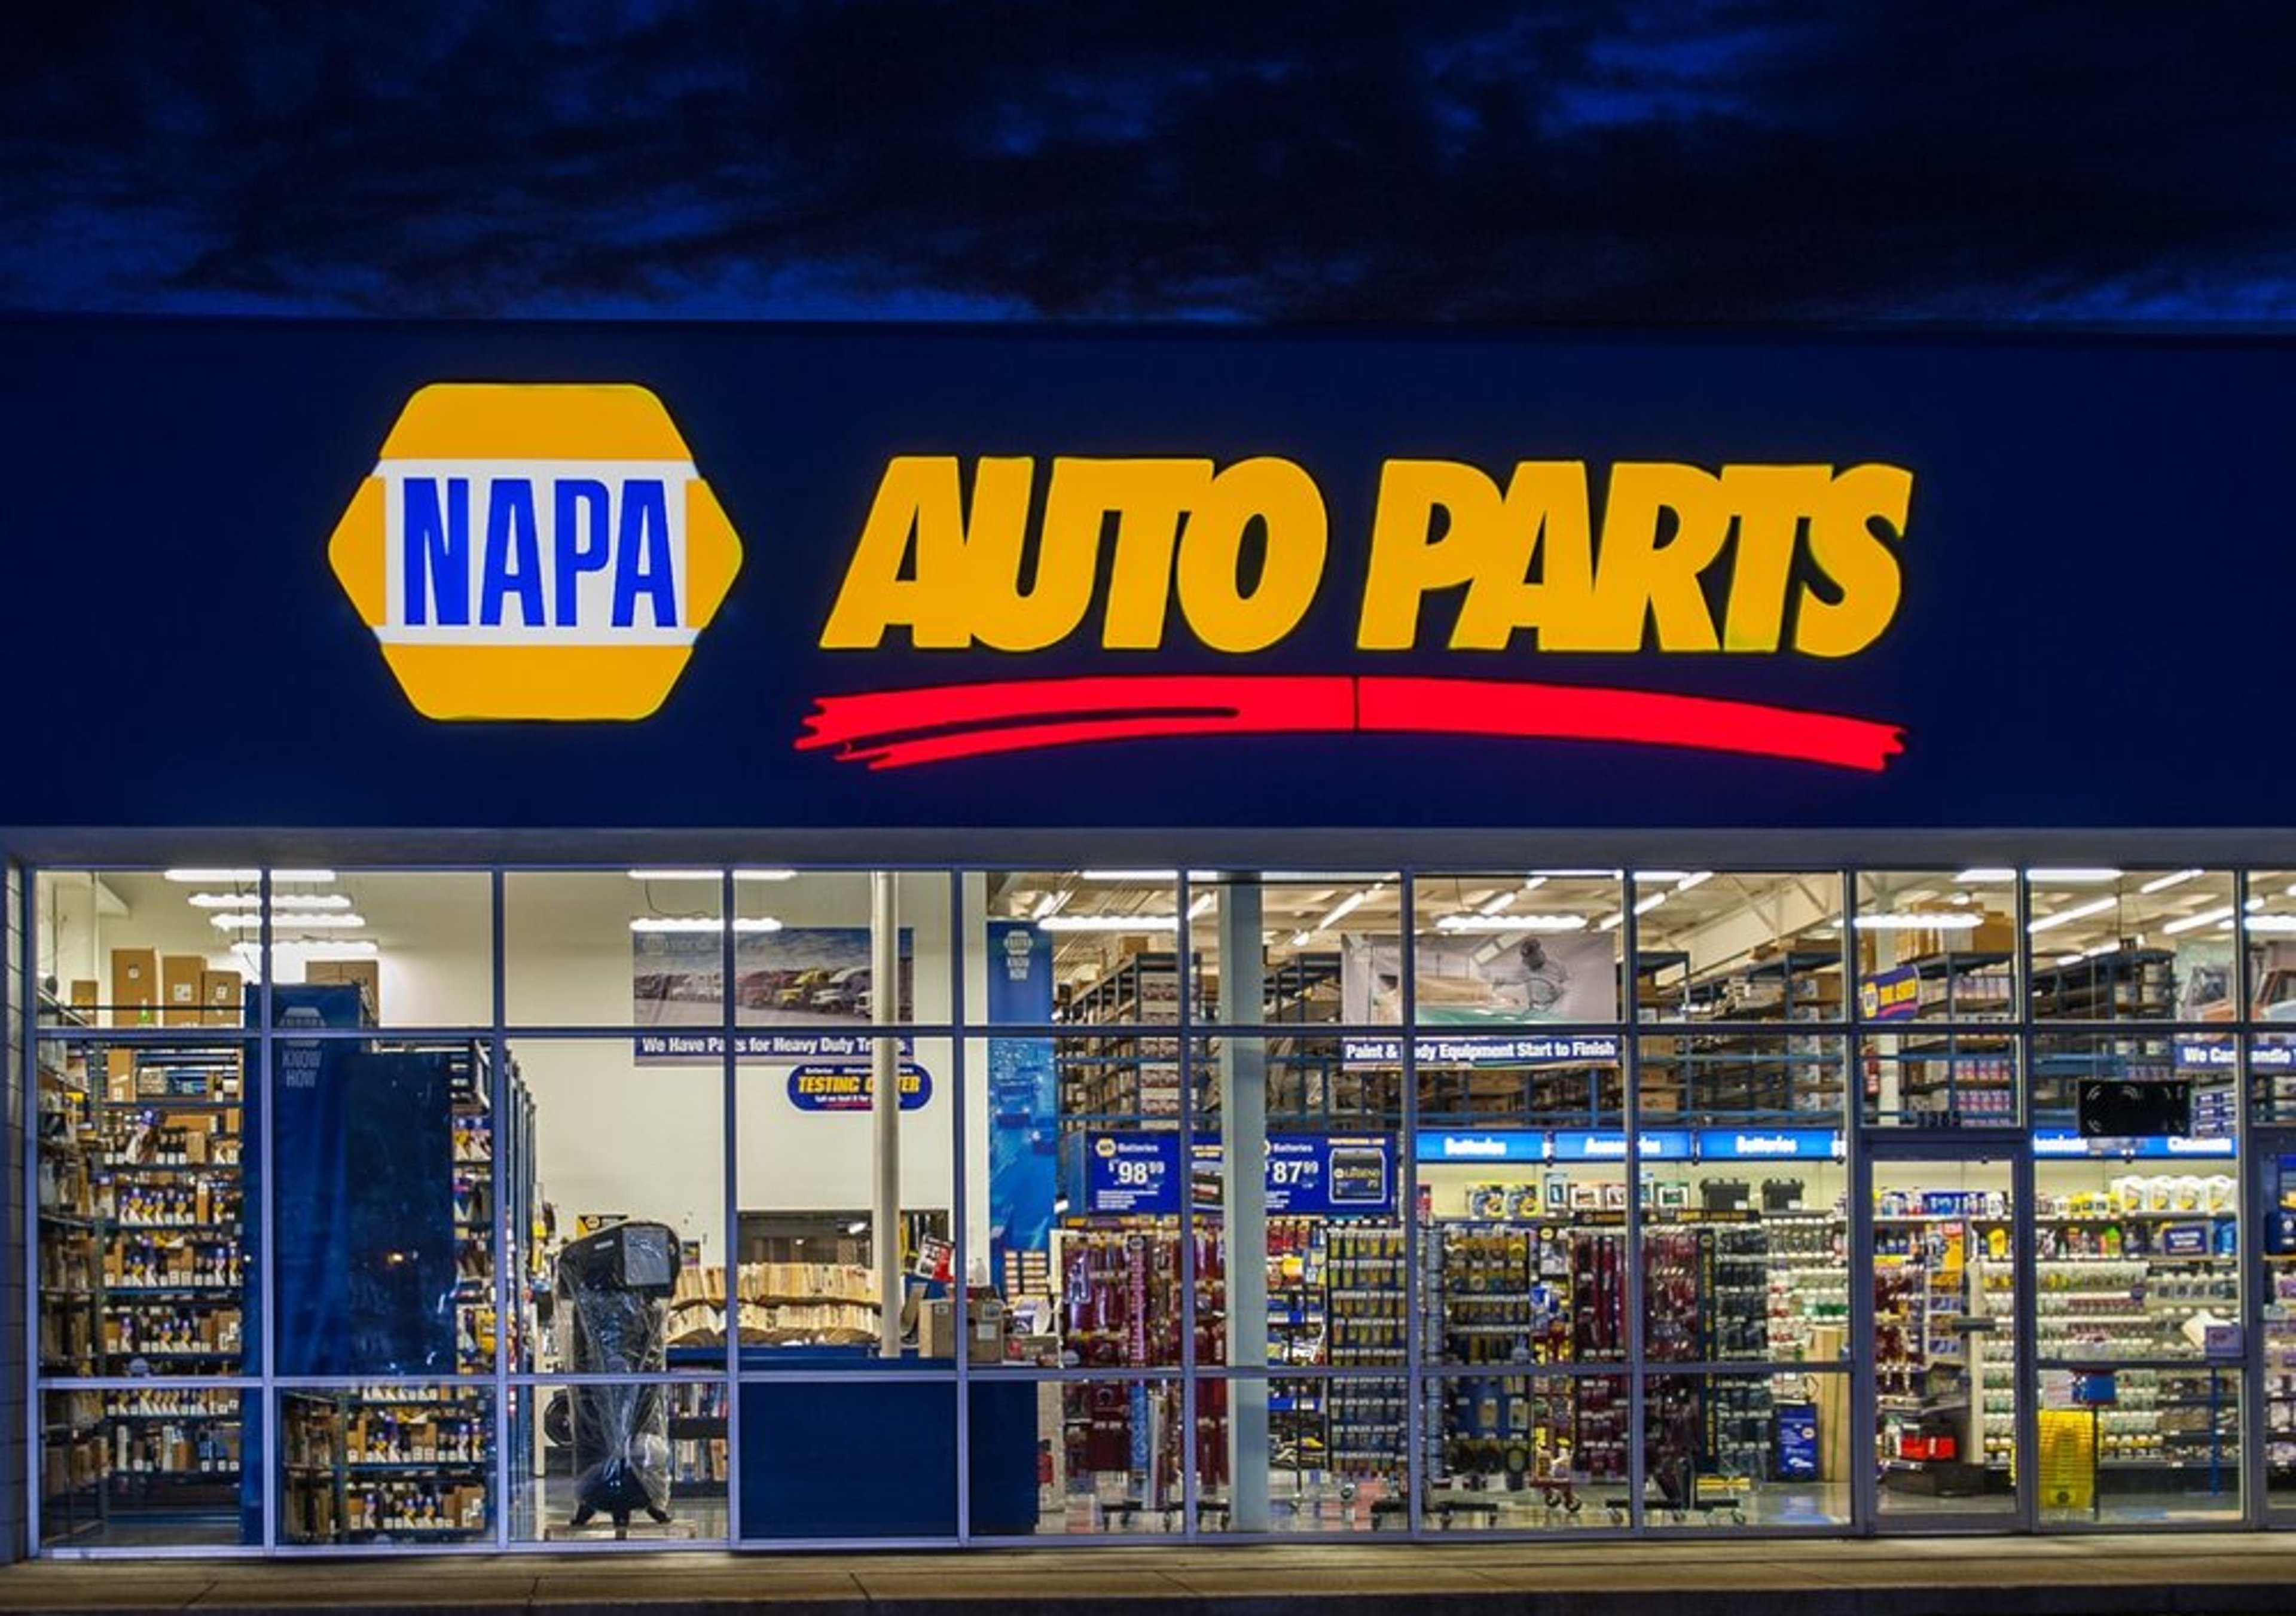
1203, 1201
2109, 945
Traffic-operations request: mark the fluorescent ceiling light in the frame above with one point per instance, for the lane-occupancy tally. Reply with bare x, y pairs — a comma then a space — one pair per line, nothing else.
2094, 905
225, 878
312, 948
704, 922
1343, 908
1511, 923
1049, 904
1665, 876
1694, 879
1498, 903
1579, 875
1650, 903
279, 900
1300, 939
1164, 876
712, 874
2100, 950
2193, 923
2270, 923
2076, 876
1202, 907
1112, 922
1985, 876
2174, 878
298, 922
1917, 919
1609, 923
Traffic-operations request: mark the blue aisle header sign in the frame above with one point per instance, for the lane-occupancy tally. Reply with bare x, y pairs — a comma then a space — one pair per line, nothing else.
1538, 1049
526, 573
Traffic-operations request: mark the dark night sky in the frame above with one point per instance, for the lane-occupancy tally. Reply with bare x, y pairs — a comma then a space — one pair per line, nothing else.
1732, 163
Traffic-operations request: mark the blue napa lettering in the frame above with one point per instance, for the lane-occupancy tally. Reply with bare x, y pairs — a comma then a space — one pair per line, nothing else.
521, 575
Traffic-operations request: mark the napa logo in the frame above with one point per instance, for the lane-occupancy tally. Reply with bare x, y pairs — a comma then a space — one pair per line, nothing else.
535, 552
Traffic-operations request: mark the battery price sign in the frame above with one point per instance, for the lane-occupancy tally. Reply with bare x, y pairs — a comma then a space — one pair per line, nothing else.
1138, 1175
1133, 1174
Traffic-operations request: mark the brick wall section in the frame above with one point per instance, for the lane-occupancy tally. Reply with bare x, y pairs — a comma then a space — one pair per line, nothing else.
13, 1302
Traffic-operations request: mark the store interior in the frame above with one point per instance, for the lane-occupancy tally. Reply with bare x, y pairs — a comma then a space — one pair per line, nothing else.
455, 1270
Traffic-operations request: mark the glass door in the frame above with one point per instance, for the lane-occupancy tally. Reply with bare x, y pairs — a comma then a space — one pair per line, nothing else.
2275, 1153
1945, 1392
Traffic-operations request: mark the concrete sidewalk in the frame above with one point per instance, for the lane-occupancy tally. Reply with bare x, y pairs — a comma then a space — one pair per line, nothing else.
2184, 1574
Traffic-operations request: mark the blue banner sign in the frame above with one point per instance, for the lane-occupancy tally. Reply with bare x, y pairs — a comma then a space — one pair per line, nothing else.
2211, 1054
843, 1087
1663, 1145
654, 1047
1443, 1144
1532, 1049
2065, 1141
1894, 994
1023, 1093
1773, 1145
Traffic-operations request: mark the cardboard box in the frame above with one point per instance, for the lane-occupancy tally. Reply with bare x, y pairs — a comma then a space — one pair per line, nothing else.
134, 987
219, 997
179, 989
366, 972
118, 1075
936, 1328
87, 998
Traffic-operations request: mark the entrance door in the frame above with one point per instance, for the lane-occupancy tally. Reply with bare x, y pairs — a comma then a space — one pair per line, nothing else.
2274, 1151
1945, 1395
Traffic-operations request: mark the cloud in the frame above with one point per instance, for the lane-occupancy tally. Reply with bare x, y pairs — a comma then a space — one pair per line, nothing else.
999, 159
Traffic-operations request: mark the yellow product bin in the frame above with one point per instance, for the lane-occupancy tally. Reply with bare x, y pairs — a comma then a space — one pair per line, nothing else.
2067, 1473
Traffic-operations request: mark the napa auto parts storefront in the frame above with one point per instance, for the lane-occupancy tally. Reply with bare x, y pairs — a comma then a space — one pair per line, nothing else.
702, 935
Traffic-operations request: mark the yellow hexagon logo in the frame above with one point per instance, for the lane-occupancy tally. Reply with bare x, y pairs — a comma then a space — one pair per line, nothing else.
535, 552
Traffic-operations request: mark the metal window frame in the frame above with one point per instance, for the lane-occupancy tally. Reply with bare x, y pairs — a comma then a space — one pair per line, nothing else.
1865, 1139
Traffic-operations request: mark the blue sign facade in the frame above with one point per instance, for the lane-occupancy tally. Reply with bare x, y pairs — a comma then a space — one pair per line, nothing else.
1971, 510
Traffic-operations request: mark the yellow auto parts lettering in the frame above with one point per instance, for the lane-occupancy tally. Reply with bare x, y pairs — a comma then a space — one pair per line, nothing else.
956, 577
1673, 537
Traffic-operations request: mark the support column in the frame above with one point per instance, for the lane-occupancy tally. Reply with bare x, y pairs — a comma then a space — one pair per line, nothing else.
1244, 1193
885, 1105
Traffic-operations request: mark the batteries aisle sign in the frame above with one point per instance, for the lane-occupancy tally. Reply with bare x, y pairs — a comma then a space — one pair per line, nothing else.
535, 552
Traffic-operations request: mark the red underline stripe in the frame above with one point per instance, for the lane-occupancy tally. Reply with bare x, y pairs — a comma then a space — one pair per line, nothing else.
899, 728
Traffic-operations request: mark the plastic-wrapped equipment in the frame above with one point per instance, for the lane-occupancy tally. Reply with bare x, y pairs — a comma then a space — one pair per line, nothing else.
618, 1281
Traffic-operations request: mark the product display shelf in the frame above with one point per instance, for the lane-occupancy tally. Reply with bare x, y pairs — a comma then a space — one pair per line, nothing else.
1745, 1075
1929, 1370
1120, 1310
1501, 1296
2115, 1299
1808, 1280
1950, 1076
1130, 1076
2278, 1322
2126, 984
138, 1273
411, 1464
1964, 985
1364, 1266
